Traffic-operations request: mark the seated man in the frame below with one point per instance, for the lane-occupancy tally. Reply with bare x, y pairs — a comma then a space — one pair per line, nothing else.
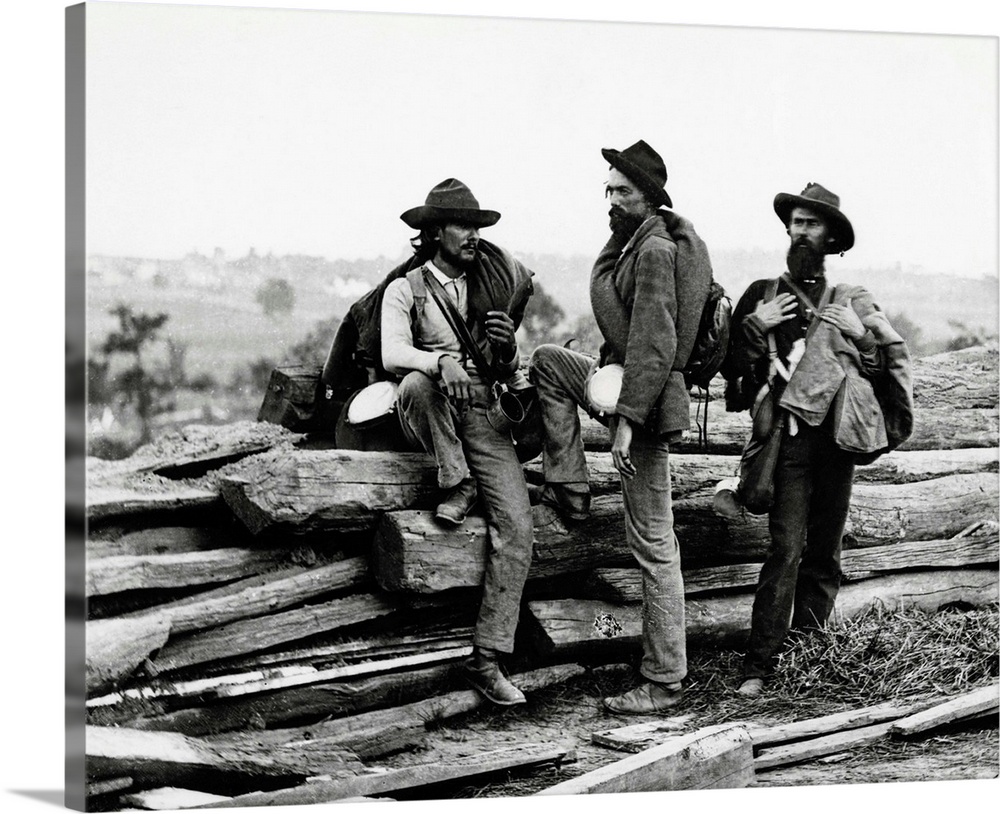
443, 398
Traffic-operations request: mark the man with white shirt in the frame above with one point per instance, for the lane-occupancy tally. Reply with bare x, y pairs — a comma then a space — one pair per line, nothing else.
444, 395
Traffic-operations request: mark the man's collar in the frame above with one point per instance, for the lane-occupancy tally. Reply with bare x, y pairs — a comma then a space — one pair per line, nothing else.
442, 278
644, 229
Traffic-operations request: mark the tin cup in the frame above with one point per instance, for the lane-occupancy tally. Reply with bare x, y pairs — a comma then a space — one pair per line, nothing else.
505, 411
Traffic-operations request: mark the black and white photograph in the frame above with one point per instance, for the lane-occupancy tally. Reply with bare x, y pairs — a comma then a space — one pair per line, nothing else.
467, 406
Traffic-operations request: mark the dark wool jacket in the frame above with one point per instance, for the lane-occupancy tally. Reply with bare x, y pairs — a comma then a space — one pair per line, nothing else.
648, 308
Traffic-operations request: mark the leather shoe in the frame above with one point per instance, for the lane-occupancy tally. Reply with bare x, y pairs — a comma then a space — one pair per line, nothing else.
751, 687
571, 504
452, 510
490, 682
646, 699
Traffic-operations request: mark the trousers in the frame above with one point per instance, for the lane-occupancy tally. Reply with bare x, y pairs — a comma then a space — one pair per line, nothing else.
560, 376
800, 577
466, 445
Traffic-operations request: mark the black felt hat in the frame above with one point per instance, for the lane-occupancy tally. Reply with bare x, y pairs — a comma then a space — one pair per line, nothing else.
824, 203
451, 201
643, 165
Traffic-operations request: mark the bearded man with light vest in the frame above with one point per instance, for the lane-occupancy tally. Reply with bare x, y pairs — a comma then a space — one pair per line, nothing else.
444, 394
648, 288
839, 376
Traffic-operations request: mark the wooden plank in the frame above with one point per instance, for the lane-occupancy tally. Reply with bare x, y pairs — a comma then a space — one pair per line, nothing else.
801, 751
507, 759
835, 722
982, 701
638, 737
564, 626
718, 757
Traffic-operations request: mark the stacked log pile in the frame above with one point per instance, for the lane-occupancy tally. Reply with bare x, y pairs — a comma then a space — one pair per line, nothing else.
264, 609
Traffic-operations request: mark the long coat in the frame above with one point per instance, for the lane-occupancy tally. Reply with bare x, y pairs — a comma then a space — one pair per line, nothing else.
649, 308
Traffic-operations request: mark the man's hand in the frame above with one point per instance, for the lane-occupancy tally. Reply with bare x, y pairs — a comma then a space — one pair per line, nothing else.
500, 333
845, 319
774, 312
620, 448
455, 382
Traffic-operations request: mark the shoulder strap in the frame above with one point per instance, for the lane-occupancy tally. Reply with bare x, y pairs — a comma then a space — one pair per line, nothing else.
418, 289
457, 325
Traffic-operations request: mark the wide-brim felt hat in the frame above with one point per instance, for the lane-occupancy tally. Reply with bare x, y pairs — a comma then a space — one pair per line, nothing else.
824, 203
451, 201
643, 165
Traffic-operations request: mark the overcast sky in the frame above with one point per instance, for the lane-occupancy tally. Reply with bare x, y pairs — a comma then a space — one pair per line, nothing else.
311, 131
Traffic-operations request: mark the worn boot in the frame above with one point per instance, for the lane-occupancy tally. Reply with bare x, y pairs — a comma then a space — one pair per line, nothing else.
482, 671
646, 699
460, 499
570, 500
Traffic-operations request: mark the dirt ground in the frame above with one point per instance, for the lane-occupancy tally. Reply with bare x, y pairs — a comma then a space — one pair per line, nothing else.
567, 714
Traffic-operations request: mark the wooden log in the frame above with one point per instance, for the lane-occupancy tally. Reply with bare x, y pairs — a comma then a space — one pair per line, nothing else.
298, 704
934, 428
158, 494
109, 575
565, 626
327, 489
414, 553
718, 757
168, 758
312, 490
260, 595
260, 633
692, 473
380, 732
926, 510
959, 379
507, 759
981, 701
115, 648
625, 584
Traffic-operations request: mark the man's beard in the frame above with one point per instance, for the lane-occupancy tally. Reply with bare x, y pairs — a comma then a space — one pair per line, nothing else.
804, 262
624, 225
456, 259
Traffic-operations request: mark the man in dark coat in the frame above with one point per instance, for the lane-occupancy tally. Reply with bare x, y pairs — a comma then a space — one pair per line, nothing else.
648, 313
829, 360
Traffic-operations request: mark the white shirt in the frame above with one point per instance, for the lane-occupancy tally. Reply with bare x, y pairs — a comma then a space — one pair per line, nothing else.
399, 356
